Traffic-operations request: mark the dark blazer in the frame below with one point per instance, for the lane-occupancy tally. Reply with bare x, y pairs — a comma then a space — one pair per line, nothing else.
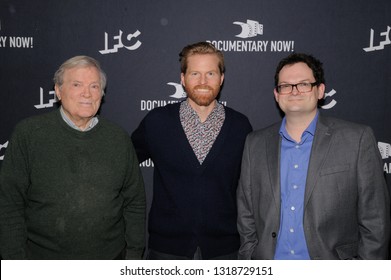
347, 207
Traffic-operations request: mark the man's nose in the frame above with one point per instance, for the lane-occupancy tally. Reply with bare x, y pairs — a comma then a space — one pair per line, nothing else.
203, 79
86, 91
295, 91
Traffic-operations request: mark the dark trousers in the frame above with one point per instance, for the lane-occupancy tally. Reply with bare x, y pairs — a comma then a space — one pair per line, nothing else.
155, 255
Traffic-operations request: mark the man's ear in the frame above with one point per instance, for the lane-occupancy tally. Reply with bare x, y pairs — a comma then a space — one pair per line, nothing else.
321, 89
58, 91
276, 96
183, 79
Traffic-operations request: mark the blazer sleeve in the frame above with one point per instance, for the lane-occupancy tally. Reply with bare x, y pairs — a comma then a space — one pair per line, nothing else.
246, 221
373, 201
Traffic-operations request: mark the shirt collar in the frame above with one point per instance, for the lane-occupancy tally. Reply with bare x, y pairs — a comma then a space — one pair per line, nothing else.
93, 122
187, 110
310, 129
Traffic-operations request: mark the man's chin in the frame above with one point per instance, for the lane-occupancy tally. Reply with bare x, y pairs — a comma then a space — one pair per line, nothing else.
203, 100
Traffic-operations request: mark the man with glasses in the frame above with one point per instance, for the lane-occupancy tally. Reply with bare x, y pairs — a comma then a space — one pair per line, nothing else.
311, 187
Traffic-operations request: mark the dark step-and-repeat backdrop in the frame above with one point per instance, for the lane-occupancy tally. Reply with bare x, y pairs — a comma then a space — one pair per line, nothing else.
138, 42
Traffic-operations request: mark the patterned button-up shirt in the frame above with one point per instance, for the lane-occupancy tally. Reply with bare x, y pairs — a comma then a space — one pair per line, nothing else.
201, 135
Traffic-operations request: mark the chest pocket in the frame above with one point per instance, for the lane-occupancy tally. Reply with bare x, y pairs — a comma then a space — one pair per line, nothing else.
334, 169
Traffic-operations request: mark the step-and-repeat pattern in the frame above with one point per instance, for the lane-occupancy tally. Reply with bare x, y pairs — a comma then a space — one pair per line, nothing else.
138, 42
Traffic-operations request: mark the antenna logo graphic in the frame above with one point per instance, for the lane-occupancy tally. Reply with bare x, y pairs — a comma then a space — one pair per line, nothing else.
250, 29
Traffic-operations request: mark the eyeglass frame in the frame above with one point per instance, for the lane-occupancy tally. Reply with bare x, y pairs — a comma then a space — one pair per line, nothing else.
295, 86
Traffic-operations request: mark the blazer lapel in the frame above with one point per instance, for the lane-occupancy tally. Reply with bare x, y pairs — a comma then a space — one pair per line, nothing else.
319, 151
273, 145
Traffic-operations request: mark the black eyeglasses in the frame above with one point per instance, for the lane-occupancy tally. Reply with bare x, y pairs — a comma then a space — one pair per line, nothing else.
300, 87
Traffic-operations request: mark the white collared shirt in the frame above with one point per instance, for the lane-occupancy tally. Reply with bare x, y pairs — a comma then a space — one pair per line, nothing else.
93, 122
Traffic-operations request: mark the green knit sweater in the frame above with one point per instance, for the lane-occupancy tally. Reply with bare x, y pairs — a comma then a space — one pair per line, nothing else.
67, 194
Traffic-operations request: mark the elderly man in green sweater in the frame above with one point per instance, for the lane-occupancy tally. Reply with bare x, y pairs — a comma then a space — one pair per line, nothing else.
70, 184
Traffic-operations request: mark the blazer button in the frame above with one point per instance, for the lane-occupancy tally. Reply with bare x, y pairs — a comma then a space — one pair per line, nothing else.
274, 234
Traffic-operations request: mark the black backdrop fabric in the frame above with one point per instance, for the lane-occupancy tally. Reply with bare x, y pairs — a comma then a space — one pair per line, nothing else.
138, 42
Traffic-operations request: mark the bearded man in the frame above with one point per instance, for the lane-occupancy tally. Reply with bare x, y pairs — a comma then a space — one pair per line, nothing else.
196, 147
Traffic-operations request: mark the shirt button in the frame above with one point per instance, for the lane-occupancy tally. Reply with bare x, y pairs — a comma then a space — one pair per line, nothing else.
291, 230
297, 146
296, 166
295, 186
293, 208
292, 252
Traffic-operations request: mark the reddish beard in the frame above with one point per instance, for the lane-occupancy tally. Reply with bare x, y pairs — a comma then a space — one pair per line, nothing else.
202, 99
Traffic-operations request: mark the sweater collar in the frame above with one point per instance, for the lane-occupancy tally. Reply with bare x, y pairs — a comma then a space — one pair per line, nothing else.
93, 122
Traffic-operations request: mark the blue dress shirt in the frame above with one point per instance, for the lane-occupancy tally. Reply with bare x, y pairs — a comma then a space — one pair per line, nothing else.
291, 244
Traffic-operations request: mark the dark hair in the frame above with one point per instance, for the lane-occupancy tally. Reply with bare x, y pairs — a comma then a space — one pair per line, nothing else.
312, 62
200, 48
